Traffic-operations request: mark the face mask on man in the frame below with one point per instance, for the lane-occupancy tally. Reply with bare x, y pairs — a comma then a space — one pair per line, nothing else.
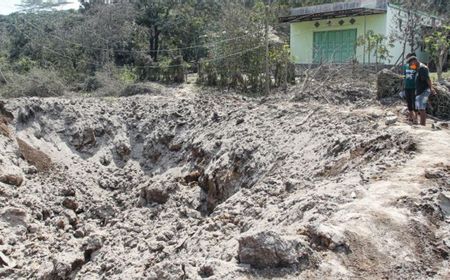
413, 67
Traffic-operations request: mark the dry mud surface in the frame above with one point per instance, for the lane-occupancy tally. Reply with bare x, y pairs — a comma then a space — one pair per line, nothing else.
191, 185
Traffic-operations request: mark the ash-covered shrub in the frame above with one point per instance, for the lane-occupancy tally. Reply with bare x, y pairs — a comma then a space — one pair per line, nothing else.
440, 104
37, 83
139, 89
91, 84
108, 83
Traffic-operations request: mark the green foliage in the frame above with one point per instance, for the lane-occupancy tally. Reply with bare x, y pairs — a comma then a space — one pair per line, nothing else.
24, 64
438, 45
127, 75
377, 45
438, 40
284, 69
142, 40
239, 63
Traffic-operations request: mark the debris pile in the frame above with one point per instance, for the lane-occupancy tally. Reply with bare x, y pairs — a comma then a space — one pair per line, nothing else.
389, 84
440, 104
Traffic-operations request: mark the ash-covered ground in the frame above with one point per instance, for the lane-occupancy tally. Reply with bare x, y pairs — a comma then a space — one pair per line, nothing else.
188, 184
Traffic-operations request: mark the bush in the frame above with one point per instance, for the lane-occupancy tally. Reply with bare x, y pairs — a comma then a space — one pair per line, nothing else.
127, 75
440, 104
37, 82
108, 82
90, 84
139, 89
207, 74
24, 65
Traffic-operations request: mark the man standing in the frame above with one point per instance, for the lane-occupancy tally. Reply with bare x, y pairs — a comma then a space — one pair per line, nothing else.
409, 84
423, 87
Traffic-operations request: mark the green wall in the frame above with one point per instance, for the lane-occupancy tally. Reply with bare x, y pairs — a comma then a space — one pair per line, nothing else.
302, 34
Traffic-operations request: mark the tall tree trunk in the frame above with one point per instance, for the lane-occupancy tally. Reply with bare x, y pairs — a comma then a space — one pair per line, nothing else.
154, 43
440, 64
376, 56
405, 41
152, 47
157, 32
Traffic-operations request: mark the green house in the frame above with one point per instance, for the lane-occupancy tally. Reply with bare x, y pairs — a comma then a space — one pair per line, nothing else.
333, 33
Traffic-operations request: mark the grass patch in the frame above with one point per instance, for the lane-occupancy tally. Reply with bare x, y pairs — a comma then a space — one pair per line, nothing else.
445, 76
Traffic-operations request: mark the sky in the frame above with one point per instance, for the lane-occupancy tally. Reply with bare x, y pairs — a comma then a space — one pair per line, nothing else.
9, 6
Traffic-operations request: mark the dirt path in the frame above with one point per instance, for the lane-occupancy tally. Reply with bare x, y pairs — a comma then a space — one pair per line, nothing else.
433, 148
388, 207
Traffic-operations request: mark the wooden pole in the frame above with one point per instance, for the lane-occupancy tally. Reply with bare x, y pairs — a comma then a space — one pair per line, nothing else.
3, 76
365, 38
266, 37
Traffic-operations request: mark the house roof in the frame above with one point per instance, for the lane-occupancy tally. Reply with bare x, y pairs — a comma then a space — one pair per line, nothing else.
334, 10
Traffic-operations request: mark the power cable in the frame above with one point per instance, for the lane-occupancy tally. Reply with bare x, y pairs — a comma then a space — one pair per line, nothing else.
207, 45
143, 67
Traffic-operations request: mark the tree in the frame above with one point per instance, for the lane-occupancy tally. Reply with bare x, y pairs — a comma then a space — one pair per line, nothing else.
113, 36
155, 16
407, 25
377, 45
34, 5
145, 39
442, 7
240, 62
438, 45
